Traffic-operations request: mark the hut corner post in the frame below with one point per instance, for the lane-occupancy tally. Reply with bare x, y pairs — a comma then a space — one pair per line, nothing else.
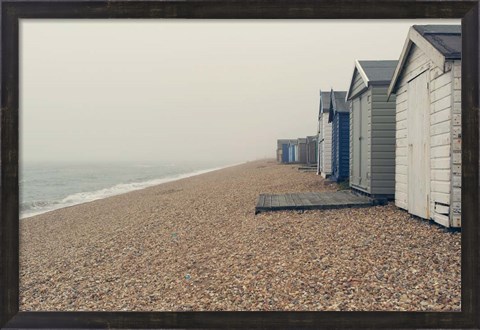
470, 165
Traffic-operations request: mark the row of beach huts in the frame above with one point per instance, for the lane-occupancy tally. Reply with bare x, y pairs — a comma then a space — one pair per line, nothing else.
396, 132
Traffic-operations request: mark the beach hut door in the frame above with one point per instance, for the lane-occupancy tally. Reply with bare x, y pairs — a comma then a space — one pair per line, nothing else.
363, 141
285, 153
418, 146
356, 152
360, 128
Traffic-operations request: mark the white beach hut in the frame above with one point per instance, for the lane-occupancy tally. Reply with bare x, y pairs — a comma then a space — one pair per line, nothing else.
427, 84
324, 164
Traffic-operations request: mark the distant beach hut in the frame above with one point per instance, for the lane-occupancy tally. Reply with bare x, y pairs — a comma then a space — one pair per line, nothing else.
324, 167
312, 150
372, 129
285, 153
296, 151
293, 151
427, 84
282, 151
302, 150
339, 117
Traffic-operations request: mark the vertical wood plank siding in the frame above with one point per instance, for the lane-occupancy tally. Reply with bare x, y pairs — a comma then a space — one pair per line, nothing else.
326, 164
340, 146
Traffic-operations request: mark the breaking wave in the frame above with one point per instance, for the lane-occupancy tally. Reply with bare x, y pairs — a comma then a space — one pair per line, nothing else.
33, 208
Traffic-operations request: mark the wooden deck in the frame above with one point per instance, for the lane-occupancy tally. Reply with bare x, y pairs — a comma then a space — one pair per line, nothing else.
314, 201
307, 168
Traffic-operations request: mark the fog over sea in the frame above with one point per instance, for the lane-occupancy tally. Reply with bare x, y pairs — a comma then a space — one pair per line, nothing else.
47, 186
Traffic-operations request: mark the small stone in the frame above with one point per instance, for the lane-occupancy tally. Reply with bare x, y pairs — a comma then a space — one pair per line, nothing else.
283, 260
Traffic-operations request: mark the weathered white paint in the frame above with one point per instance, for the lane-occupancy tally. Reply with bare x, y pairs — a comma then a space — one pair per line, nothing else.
456, 212
325, 146
442, 209
443, 134
415, 39
418, 167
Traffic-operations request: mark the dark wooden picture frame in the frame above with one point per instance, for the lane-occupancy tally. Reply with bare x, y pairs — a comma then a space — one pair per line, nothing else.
12, 11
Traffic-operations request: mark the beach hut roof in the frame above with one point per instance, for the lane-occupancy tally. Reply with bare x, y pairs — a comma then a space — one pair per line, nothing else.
302, 140
280, 142
337, 104
447, 39
378, 71
324, 102
440, 43
373, 72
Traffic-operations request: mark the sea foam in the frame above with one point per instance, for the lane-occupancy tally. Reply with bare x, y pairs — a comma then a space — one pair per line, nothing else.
36, 208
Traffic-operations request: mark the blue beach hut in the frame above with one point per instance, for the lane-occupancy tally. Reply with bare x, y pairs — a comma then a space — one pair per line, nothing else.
339, 118
285, 153
282, 150
292, 155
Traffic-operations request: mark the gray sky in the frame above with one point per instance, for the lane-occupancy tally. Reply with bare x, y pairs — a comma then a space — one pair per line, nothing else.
184, 89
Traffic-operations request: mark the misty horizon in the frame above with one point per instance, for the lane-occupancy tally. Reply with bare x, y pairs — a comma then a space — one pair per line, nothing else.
182, 90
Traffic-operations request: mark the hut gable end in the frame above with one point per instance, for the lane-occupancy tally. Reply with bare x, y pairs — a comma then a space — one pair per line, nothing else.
439, 43
359, 84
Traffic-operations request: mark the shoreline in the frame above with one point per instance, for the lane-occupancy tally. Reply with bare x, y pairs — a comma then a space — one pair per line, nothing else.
143, 185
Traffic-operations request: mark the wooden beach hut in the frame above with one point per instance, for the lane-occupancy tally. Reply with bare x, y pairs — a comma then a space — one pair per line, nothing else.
339, 118
427, 85
292, 151
324, 167
302, 150
312, 150
372, 129
282, 150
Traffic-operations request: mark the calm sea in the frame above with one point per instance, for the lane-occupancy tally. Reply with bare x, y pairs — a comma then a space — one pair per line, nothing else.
49, 186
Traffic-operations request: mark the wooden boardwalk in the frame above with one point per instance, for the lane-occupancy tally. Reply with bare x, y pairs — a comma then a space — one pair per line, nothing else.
313, 201
307, 169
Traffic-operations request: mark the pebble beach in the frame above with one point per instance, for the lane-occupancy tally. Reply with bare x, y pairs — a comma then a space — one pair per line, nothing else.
196, 244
